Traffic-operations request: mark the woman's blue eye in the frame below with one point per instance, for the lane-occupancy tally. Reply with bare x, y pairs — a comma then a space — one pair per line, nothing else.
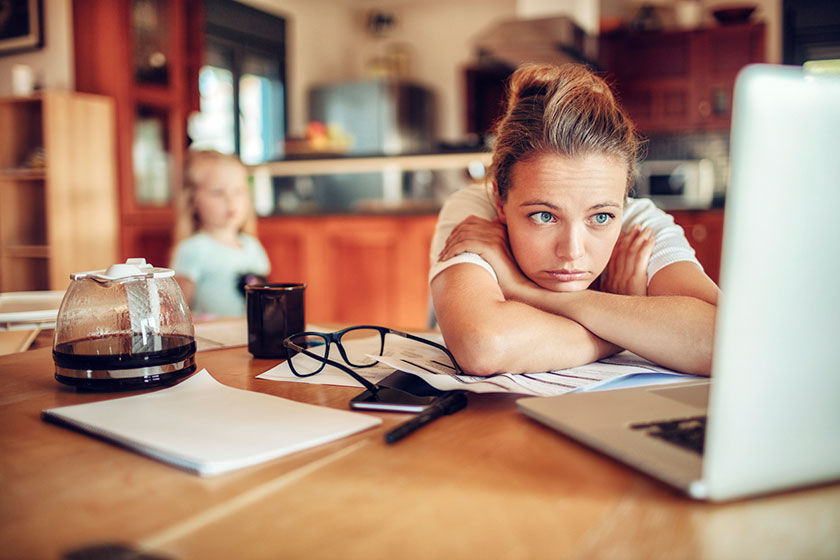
601, 218
543, 217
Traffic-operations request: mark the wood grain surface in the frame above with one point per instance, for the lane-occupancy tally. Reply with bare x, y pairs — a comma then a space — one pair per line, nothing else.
484, 483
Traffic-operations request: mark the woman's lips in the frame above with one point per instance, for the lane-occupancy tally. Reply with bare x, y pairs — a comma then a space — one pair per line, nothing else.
564, 275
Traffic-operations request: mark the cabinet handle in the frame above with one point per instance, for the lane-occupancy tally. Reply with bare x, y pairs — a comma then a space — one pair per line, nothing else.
699, 232
705, 108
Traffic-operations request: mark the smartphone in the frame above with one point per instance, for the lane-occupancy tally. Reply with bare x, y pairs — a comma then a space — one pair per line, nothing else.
399, 392
388, 399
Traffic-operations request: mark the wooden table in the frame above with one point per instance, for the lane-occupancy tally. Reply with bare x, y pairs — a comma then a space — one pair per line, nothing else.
486, 482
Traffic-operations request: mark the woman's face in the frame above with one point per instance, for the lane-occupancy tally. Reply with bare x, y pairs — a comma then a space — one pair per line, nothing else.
222, 199
563, 217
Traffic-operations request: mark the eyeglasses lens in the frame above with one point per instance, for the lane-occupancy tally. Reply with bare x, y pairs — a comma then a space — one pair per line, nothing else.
360, 344
301, 363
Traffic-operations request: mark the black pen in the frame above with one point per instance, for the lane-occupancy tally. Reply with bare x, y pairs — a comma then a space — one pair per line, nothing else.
446, 404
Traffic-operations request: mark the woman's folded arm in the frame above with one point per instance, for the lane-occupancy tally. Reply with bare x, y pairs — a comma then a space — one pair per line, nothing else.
488, 334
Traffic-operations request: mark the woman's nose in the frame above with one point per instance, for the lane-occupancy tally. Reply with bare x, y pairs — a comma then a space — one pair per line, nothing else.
569, 243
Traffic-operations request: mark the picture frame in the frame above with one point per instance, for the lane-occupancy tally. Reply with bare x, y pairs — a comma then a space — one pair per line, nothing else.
21, 26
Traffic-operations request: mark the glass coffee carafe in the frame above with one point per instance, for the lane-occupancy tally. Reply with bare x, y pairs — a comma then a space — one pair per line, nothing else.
126, 327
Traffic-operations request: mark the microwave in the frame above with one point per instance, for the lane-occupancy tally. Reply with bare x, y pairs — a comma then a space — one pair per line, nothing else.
677, 183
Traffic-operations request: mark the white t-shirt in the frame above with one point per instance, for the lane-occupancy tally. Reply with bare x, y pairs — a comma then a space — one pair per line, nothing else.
475, 200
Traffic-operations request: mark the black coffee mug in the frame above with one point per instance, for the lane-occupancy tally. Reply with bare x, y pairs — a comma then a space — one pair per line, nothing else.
274, 312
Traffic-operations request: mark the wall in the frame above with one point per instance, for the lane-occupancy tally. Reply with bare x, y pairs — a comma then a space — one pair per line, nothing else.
585, 12
52, 65
438, 35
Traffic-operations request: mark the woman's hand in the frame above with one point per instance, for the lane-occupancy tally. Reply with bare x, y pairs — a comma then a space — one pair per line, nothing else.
489, 240
626, 272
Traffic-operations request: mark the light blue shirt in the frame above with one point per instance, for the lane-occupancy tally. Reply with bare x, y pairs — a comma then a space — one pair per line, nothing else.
216, 269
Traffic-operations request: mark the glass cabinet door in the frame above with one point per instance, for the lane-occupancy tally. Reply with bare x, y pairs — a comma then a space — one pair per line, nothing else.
151, 41
156, 101
151, 157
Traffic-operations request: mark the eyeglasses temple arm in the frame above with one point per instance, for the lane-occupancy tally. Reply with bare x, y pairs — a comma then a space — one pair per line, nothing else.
367, 384
440, 347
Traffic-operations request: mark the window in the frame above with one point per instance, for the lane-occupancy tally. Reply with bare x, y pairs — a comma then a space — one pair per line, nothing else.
810, 30
242, 84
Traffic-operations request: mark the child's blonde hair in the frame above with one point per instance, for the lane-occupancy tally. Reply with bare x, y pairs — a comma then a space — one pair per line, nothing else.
187, 221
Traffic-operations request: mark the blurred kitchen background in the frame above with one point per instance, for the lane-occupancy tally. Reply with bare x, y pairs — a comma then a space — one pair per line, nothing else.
357, 118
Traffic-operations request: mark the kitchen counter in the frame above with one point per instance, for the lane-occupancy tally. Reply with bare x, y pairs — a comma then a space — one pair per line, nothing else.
377, 185
370, 207
351, 164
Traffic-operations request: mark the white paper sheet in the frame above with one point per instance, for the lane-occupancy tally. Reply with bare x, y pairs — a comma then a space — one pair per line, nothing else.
208, 428
215, 335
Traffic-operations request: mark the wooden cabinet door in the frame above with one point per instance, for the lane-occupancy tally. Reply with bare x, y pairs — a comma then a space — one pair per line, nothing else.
652, 77
680, 80
362, 254
292, 245
412, 306
358, 269
704, 231
719, 54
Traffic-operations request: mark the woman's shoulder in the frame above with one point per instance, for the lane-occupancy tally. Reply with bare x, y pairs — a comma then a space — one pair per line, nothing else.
643, 211
638, 205
473, 199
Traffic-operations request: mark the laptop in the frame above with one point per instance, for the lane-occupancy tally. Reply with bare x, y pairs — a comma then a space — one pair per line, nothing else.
769, 417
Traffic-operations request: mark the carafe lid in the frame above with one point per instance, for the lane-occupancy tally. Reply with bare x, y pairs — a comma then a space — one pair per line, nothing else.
131, 268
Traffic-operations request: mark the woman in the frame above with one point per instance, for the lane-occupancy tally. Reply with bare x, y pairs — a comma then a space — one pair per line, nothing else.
563, 164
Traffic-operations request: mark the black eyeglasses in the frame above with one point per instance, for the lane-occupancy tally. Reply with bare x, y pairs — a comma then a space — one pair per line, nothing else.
308, 352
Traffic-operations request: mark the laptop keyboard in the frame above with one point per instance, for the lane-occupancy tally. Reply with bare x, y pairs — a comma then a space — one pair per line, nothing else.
688, 433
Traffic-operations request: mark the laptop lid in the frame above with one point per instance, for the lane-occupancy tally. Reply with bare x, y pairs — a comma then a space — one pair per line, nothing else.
774, 411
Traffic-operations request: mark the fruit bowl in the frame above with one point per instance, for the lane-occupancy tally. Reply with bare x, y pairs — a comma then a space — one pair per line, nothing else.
733, 14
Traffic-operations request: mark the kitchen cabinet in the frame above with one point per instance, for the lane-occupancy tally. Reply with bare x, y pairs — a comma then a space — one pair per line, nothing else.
358, 269
704, 231
58, 196
146, 55
680, 80
485, 97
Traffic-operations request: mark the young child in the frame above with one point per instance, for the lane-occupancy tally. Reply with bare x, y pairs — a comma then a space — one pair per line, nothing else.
216, 247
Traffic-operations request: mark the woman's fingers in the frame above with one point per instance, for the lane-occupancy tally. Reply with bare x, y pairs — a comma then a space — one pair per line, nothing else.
627, 269
472, 234
638, 252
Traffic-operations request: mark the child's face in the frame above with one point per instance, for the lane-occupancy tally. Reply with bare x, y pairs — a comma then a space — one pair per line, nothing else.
222, 199
563, 217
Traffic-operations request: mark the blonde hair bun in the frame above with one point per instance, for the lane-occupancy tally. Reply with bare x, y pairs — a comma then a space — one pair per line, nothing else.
567, 110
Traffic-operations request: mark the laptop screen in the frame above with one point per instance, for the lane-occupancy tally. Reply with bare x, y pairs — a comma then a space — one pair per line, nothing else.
776, 360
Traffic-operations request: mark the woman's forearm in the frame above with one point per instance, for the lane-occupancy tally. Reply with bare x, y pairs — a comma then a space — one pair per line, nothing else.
489, 335
674, 331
